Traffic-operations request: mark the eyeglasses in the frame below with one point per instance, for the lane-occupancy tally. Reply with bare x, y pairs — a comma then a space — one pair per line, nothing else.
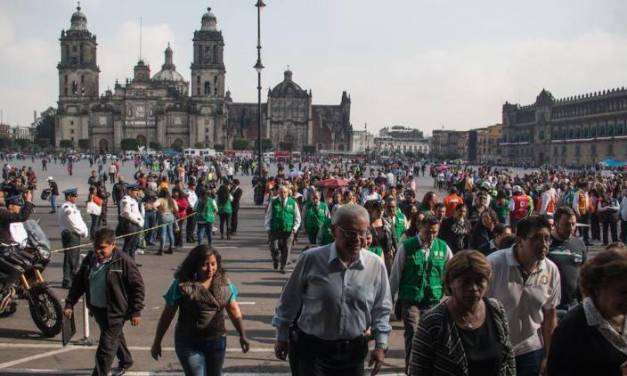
350, 234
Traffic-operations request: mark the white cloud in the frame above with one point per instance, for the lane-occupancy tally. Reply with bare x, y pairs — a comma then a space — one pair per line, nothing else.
118, 54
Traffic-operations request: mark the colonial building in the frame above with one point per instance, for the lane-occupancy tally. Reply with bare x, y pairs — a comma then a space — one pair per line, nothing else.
402, 140
449, 144
160, 109
495, 134
574, 131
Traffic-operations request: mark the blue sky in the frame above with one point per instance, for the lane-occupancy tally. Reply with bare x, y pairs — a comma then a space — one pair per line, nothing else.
420, 63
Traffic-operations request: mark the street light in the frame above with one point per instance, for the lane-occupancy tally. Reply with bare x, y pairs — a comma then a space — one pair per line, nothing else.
259, 67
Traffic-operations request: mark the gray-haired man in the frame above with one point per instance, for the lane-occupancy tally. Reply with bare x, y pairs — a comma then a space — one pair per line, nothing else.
343, 294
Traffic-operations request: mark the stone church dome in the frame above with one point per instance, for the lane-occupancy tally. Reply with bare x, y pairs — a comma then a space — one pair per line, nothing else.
288, 88
209, 21
168, 69
78, 20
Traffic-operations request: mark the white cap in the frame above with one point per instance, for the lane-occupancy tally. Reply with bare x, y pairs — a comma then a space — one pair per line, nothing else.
50, 178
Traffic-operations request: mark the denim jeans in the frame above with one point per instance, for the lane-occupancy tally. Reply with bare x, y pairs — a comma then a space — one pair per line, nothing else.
53, 202
167, 229
95, 223
151, 221
529, 364
202, 230
200, 356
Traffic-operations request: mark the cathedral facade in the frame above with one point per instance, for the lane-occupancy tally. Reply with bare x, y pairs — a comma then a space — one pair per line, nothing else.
161, 109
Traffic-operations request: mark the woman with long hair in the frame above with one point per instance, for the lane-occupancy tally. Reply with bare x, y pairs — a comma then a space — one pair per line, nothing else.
166, 207
200, 292
382, 232
225, 209
429, 201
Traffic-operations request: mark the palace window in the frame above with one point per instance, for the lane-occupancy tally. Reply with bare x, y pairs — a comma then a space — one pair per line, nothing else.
610, 149
577, 150
563, 149
593, 149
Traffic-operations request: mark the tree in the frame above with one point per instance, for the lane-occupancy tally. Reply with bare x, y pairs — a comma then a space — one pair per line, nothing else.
266, 144
66, 144
5, 142
283, 145
155, 146
22, 143
241, 144
199, 145
218, 147
83, 144
44, 127
129, 144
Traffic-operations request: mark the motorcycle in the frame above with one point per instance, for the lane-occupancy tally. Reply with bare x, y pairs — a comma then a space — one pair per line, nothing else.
21, 266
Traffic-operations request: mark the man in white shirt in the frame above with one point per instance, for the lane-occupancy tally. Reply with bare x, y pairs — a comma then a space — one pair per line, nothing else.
131, 219
528, 285
73, 227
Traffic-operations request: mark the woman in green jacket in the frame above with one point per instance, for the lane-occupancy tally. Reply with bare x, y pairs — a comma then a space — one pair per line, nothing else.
205, 217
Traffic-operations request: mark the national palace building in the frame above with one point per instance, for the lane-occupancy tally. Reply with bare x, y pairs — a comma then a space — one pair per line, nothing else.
575, 131
161, 108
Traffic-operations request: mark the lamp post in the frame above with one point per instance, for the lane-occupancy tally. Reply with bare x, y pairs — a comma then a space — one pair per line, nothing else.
259, 67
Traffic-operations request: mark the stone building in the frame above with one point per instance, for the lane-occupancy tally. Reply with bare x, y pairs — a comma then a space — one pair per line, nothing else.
495, 134
449, 144
575, 131
401, 139
161, 109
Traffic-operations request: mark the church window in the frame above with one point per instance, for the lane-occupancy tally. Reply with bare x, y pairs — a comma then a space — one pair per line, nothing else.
74, 48
71, 131
215, 55
65, 78
65, 91
74, 88
82, 79
207, 88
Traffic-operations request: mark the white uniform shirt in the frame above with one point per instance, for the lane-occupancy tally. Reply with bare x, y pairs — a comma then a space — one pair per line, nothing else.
70, 219
192, 198
130, 210
524, 301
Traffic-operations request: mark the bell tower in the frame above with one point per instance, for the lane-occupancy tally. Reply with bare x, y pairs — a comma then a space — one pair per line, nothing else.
78, 82
78, 69
208, 64
207, 75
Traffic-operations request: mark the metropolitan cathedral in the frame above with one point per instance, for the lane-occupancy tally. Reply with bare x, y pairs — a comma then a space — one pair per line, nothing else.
160, 109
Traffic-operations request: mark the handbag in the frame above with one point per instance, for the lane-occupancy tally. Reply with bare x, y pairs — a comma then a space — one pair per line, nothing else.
93, 208
45, 194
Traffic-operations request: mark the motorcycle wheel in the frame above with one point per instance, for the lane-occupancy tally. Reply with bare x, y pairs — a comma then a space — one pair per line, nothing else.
46, 310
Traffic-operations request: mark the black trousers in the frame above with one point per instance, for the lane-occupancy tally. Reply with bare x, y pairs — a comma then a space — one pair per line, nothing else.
71, 259
131, 242
612, 227
190, 229
234, 220
317, 357
110, 344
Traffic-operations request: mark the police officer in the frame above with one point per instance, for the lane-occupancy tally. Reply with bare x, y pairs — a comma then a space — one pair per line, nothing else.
16, 212
133, 217
73, 227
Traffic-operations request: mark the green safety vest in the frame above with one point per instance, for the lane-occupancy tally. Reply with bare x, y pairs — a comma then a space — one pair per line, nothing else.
325, 236
422, 280
314, 216
283, 216
377, 250
399, 225
226, 208
206, 213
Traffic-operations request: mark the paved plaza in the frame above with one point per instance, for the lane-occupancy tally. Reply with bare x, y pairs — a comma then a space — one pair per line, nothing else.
246, 259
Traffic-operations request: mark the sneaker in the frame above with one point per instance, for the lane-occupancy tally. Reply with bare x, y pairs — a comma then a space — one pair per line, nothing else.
275, 265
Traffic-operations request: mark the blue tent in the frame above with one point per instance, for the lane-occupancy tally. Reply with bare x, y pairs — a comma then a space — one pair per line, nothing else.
612, 163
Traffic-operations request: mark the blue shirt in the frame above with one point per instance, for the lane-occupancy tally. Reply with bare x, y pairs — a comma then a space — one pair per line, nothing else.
338, 302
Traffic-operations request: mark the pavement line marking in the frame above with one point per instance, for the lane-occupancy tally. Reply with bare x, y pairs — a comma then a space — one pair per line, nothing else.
79, 347
34, 357
247, 303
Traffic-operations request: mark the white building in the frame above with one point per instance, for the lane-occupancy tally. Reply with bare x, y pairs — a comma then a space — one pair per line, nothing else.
362, 141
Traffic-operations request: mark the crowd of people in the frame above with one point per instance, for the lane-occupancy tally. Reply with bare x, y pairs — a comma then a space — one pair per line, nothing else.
490, 273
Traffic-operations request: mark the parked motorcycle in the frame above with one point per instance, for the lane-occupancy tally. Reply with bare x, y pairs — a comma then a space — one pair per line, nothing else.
21, 266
